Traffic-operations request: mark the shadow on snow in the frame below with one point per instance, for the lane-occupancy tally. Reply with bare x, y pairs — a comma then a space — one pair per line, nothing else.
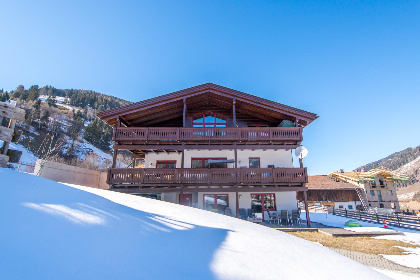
52, 231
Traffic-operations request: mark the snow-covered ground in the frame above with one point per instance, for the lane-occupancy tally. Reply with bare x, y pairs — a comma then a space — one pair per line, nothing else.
412, 259
53, 231
27, 156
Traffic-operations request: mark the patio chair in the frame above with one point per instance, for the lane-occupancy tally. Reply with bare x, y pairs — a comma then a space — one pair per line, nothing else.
295, 217
284, 217
251, 213
271, 219
242, 213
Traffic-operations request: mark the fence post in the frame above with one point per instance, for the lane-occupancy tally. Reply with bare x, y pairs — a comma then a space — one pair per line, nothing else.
346, 212
398, 219
377, 218
360, 215
333, 210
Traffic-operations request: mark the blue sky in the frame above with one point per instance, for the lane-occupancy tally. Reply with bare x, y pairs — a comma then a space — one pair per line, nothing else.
354, 63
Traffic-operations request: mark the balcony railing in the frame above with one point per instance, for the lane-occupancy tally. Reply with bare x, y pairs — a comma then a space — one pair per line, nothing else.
179, 134
206, 176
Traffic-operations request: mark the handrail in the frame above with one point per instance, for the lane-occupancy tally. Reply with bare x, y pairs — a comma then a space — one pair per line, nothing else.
205, 176
207, 134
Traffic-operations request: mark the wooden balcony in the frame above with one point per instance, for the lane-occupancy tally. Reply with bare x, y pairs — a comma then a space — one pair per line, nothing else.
207, 134
206, 176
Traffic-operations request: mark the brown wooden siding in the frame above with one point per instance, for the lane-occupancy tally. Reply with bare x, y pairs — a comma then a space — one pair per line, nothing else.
207, 176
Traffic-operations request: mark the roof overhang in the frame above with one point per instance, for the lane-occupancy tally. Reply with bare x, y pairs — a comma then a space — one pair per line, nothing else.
171, 106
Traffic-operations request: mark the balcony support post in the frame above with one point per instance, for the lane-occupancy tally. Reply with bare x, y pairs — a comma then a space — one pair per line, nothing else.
237, 202
182, 155
180, 195
305, 197
234, 112
184, 114
236, 155
114, 158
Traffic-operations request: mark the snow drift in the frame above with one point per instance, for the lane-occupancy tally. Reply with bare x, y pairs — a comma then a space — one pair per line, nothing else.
53, 231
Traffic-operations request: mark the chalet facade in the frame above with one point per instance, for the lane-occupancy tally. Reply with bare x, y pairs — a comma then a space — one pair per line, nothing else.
378, 187
211, 147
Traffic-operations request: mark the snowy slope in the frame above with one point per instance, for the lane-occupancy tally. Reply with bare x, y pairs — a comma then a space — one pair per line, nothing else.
53, 231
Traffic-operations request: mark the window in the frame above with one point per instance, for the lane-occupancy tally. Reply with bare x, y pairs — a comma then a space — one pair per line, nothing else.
254, 162
204, 163
340, 207
372, 193
373, 184
379, 195
350, 207
390, 192
381, 183
381, 205
263, 202
166, 164
209, 120
216, 201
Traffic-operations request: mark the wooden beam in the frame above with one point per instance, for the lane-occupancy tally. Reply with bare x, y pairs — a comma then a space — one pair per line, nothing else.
237, 204
178, 146
6, 134
114, 158
184, 113
10, 112
234, 112
187, 189
308, 220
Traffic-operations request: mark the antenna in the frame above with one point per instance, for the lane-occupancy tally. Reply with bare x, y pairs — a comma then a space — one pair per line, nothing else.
301, 152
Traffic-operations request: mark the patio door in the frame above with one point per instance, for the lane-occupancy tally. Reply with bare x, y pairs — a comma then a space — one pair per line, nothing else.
261, 202
185, 199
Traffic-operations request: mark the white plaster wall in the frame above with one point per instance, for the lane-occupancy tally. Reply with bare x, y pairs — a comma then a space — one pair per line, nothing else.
153, 157
279, 158
188, 154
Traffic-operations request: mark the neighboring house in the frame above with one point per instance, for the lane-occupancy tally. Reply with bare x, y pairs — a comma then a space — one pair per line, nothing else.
326, 191
213, 148
379, 185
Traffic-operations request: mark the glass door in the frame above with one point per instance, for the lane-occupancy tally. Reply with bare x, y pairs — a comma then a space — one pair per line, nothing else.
260, 203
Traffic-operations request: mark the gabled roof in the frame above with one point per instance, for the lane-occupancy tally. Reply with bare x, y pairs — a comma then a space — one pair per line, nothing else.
323, 182
111, 116
370, 175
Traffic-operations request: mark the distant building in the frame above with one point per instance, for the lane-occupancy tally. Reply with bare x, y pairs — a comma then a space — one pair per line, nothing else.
378, 186
329, 192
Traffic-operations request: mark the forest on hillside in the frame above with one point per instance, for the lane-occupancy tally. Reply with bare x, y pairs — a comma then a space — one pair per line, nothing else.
62, 117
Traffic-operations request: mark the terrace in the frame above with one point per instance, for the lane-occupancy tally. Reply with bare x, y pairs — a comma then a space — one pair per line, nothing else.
174, 135
206, 176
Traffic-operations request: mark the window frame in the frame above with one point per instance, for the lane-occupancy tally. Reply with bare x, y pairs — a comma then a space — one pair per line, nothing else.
215, 199
203, 123
203, 159
262, 201
166, 161
249, 162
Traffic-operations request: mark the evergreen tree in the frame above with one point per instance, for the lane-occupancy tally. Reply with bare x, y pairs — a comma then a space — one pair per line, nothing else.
33, 93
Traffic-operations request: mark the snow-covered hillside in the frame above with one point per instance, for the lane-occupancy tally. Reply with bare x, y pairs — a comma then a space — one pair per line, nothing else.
53, 231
